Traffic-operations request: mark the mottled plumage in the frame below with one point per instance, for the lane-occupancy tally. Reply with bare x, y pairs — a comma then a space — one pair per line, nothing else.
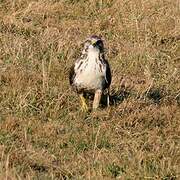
91, 72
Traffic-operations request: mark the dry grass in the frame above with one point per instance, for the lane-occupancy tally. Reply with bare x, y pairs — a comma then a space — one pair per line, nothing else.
43, 133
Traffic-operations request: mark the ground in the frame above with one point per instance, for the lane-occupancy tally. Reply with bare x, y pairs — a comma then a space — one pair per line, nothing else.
45, 135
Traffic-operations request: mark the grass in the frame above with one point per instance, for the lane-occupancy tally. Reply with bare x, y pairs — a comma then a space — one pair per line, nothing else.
43, 133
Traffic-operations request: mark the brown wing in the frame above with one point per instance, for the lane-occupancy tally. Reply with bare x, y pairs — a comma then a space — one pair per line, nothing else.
108, 72
72, 73
108, 75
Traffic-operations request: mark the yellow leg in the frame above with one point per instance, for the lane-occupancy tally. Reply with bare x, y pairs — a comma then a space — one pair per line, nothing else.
83, 103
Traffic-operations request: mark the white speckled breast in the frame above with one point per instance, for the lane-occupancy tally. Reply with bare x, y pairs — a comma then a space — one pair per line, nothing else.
90, 72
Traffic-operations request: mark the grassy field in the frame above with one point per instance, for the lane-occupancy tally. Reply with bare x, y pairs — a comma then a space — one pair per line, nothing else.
43, 132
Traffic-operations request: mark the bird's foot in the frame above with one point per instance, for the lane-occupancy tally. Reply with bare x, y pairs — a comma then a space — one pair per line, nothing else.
84, 106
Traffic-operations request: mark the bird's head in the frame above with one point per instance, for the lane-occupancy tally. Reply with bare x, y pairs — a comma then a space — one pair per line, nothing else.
93, 43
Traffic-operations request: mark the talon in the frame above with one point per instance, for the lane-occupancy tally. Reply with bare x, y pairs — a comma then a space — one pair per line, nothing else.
84, 106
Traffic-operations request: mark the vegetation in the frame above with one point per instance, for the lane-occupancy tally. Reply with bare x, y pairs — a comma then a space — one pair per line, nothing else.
43, 132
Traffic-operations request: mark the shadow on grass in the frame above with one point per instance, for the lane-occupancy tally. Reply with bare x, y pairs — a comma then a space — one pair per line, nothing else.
116, 97
155, 95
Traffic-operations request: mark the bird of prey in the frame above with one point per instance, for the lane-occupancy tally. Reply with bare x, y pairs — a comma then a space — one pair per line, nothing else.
91, 72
